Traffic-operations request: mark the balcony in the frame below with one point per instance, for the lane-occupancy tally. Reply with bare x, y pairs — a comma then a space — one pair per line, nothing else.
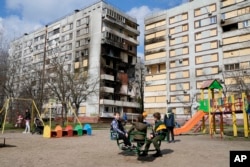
107, 77
107, 89
121, 24
134, 41
119, 103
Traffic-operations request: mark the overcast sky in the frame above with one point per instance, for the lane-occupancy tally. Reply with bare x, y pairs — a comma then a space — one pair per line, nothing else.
20, 16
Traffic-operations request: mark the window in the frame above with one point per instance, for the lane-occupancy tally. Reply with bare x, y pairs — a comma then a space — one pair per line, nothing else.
212, 20
229, 67
246, 23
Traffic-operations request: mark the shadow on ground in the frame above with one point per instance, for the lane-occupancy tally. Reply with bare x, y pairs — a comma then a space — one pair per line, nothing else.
150, 157
6, 145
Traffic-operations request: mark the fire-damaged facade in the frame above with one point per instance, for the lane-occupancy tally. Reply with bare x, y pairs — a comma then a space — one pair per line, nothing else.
118, 59
99, 42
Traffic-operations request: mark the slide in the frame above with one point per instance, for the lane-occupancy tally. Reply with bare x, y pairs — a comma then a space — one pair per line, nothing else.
190, 123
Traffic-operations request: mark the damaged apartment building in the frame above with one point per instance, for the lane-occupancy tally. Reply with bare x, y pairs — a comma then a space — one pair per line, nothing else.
99, 41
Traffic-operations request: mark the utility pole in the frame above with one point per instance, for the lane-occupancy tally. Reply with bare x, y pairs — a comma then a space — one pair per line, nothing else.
43, 70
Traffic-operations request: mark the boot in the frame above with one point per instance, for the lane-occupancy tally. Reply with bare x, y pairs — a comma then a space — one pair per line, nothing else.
157, 154
144, 154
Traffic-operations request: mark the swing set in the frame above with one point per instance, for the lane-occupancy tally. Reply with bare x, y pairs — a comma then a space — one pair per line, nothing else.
6, 108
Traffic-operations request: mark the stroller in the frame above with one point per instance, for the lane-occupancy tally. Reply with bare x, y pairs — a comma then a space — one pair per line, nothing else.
38, 126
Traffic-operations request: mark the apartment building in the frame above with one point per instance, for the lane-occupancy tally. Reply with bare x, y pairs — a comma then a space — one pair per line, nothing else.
99, 41
235, 24
188, 44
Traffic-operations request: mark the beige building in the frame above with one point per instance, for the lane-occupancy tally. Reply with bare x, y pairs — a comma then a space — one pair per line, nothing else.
99, 41
188, 44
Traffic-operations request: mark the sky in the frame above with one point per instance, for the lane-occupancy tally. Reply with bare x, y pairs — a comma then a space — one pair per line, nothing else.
23, 16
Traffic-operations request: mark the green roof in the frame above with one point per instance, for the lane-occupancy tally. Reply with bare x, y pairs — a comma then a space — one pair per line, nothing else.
211, 84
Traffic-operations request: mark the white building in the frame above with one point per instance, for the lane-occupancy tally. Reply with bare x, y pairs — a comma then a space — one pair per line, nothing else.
98, 40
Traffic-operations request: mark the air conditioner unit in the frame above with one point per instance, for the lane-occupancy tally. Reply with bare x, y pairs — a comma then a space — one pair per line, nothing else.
220, 43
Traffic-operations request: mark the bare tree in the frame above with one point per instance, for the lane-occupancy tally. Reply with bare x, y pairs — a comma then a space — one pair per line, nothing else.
68, 86
236, 81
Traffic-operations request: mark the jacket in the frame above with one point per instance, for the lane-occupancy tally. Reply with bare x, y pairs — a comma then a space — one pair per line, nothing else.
169, 120
116, 125
139, 127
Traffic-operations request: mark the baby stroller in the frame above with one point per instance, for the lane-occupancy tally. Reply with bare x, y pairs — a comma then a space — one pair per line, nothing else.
38, 126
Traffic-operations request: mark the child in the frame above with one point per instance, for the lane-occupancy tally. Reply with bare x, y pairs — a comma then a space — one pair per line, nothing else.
170, 123
19, 121
158, 134
116, 126
139, 126
27, 121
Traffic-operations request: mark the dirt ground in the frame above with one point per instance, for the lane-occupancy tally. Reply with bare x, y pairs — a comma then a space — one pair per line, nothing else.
97, 150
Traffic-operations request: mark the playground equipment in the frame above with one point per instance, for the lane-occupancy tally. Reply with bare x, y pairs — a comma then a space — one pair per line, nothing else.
69, 131
190, 124
138, 143
214, 105
6, 110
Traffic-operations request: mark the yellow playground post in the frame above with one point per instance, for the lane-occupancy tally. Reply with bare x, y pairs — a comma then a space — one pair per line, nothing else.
215, 104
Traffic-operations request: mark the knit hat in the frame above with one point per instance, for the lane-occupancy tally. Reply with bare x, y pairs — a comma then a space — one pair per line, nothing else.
169, 110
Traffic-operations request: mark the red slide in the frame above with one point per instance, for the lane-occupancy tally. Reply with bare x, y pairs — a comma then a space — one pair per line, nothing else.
190, 123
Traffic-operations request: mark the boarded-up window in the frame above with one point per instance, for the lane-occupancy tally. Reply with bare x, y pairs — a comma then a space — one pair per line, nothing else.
197, 12
185, 50
173, 87
212, 8
213, 44
172, 64
213, 32
155, 88
172, 53
171, 20
198, 48
149, 99
185, 27
185, 74
172, 75
227, 2
185, 39
154, 69
171, 30
199, 84
150, 36
160, 33
83, 110
231, 14
162, 68
77, 65
184, 16
160, 99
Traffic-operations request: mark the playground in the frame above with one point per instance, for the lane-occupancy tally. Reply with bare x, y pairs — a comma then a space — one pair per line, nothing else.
98, 150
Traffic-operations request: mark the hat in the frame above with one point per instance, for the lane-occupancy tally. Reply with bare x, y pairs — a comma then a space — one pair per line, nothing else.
144, 114
169, 109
